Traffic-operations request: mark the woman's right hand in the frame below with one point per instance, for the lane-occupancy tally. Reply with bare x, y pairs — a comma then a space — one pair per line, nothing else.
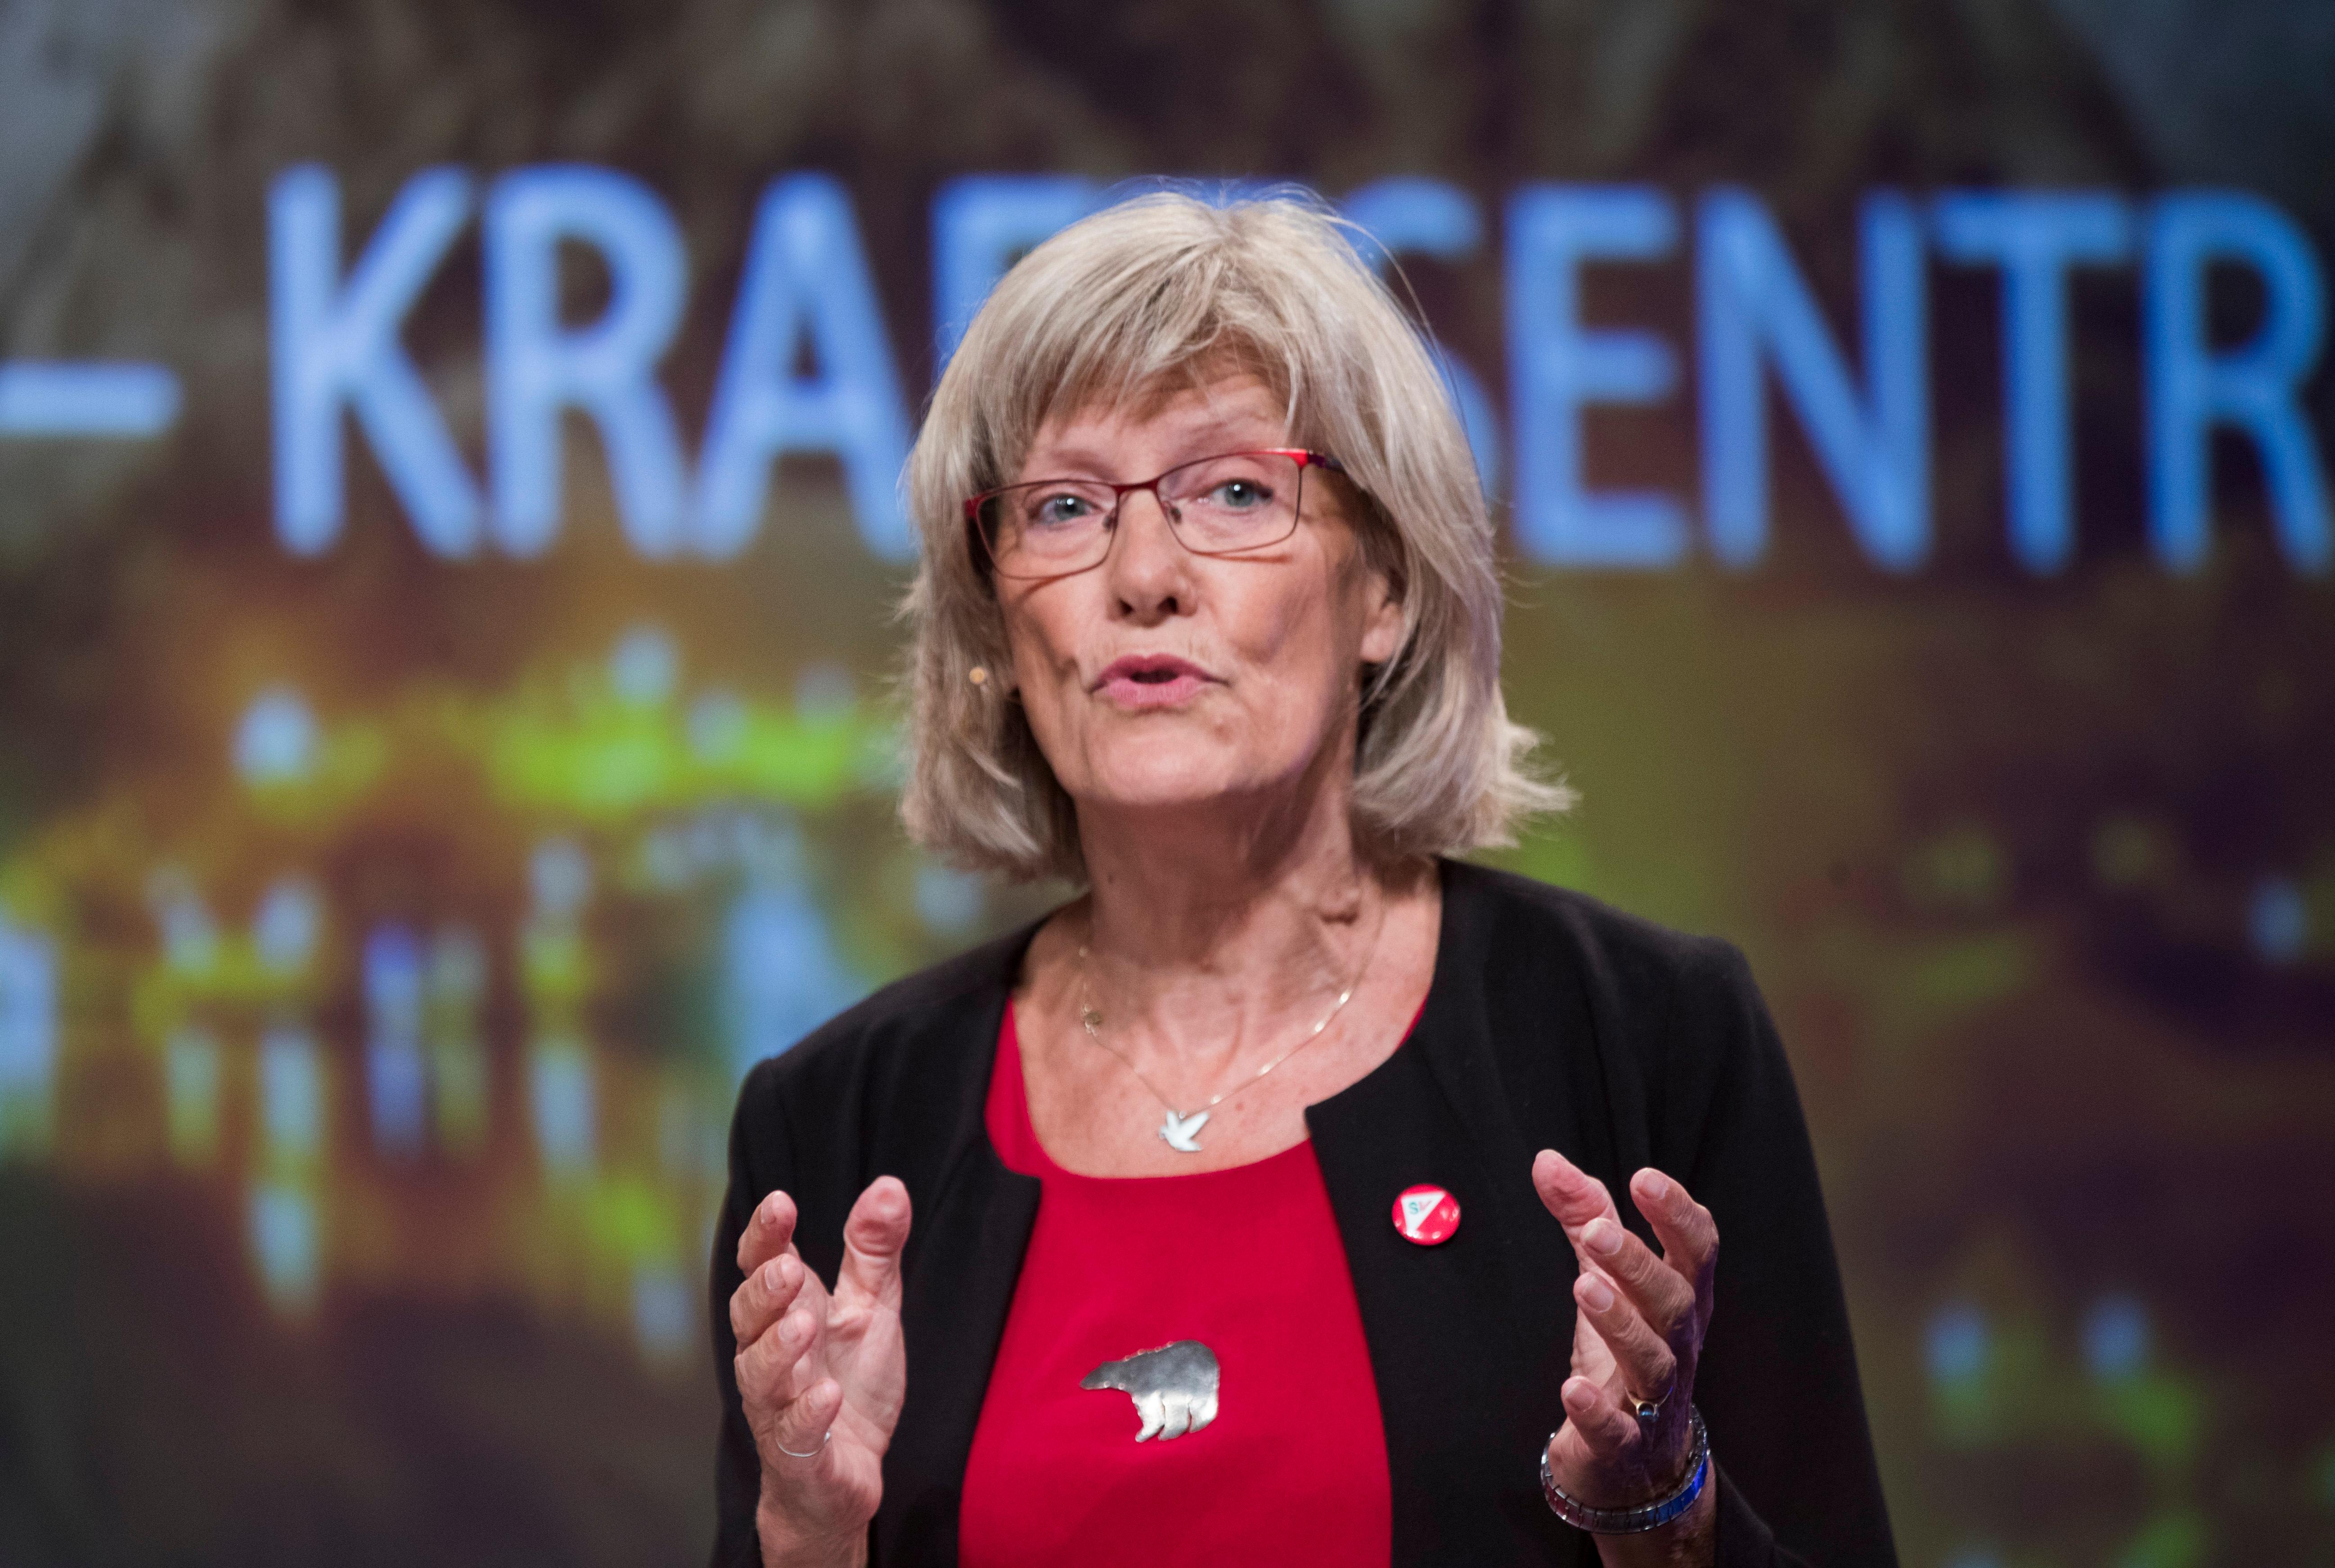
812, 1362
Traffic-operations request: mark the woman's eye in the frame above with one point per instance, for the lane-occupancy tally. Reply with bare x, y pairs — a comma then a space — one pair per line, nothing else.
1059, 509
1240, 494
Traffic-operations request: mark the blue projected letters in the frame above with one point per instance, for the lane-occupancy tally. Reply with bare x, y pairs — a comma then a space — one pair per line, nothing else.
1411, 216
1555, 369
52, 398
2256, 388
981, 223
1753, 303
808, 367
333, 343
535, 369
2034, 237
807, 279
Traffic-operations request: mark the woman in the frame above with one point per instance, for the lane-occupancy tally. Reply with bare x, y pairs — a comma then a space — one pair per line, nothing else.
1261, 1204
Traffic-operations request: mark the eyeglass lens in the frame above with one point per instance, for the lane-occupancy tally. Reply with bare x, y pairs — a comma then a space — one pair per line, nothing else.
1217, 506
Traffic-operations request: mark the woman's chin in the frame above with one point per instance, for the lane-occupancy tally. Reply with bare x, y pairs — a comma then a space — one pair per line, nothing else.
1167, 785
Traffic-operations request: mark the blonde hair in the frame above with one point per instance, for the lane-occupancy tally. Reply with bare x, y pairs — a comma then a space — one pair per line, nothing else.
1139, 299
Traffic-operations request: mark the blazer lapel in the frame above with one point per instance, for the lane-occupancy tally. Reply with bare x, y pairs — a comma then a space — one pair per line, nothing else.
964, 1256
1470, 1339
953, 1318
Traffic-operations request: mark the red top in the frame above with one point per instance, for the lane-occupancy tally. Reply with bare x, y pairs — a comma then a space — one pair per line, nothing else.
1247, 1262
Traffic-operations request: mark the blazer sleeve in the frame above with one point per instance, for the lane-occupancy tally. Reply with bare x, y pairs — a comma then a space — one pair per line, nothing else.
1778, 1383
761, 1158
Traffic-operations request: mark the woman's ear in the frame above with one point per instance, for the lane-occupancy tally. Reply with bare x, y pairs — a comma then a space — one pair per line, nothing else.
1382, 617
1382, 561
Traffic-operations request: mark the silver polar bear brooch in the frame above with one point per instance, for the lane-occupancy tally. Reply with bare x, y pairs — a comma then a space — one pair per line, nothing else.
1174, 1386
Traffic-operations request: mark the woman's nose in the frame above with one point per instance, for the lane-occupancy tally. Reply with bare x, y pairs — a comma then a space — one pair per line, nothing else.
1150, 570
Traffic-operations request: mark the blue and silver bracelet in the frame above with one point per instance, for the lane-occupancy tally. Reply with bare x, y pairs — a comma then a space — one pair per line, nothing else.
1651, 1516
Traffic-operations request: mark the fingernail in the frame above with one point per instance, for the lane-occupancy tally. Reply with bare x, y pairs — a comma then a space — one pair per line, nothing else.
789, 1330
773, 1277
1577, 1394
1604, 1237
1657, 1187
1596, 1292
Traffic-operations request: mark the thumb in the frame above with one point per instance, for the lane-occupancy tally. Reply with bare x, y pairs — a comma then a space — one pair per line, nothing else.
1571, 1194
872, 1238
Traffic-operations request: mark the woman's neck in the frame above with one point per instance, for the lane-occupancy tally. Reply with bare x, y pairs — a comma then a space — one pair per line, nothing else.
1212, 944
1210, 931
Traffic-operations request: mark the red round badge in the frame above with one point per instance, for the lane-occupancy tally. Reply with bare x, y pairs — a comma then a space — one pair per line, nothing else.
1426, 1214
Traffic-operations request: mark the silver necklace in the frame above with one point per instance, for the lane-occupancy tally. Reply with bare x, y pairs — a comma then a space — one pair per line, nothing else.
1180, 1130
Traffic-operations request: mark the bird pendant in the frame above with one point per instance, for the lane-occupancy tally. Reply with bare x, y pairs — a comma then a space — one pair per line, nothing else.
1181, 1133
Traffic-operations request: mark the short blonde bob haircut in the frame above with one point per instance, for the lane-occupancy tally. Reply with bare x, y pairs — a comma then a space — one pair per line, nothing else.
1139, 301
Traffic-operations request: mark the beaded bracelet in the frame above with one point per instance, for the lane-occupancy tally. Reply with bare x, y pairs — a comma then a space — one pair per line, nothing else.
1651, 1516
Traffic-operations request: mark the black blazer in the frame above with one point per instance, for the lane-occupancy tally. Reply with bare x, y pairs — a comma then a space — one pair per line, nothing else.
1552, 1021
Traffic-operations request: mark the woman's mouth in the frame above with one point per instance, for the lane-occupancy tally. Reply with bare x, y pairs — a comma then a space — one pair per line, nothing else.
1151, 681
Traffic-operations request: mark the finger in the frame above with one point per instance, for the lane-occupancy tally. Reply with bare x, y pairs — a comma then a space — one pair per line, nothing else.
1576, 1198
1657, 1290
1647, 1366
770, 1231
774, 1371
872, 1238
769, 1290
1689, 1234
802, 1426
1571, 1194
1609, 1431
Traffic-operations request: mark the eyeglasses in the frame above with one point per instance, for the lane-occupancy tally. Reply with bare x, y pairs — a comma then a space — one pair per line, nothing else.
1218, 505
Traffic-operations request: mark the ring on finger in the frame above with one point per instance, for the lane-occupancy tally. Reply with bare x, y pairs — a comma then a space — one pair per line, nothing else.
825, 1438
1650, 1411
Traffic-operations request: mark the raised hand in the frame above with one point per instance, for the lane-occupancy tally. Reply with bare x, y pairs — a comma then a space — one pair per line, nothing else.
1637, 1334
821, 1374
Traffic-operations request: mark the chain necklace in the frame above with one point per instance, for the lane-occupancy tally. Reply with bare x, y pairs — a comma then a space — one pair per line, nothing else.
1180, 1130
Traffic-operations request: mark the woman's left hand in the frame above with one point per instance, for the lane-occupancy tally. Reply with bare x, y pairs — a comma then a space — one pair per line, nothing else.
1637, 1335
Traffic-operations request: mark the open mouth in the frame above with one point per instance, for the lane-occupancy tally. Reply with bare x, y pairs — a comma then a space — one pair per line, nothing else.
1151, 681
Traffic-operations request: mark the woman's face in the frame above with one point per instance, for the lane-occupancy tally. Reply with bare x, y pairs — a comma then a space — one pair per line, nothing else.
1161, 679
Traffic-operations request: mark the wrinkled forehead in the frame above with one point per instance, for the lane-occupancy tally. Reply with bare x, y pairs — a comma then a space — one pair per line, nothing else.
1225, 401
1135, 389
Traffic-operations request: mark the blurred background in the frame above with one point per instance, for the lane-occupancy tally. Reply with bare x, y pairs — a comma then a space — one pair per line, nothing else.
447, 554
